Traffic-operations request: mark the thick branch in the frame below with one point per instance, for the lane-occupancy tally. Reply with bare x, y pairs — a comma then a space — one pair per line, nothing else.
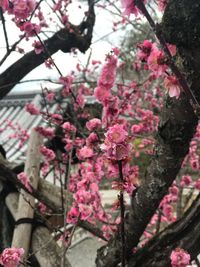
63, 40
177, 127
184, 233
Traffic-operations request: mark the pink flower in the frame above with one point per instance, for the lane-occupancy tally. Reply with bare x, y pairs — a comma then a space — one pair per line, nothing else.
145, 50
47, 153
186, 180
30, 28
38, 47
68, 127
116, 134
162, 4
85, 152
179, 258
50, 96
101, 93
93, 124
172, 85
85, 211
156, 62
31, 108
23, 8
4, 4
130, 7
72, 216
117, 151
11, 257
108, 72
24, 179
136, 128
46, 132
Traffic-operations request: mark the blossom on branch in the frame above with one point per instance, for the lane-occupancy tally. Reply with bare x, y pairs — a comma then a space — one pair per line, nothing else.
11, 257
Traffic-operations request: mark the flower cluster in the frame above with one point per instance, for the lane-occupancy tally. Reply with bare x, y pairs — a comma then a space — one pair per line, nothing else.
11, 257
180, 258
24, 179
116, 146
47, 153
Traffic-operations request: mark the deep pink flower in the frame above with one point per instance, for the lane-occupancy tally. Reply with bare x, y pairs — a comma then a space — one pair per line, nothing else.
38, 47
130, 7
172, 85
156, 62
31, 108
85, 152
101, 93
72, 216
11, 257
116, 134
179, 258
93, 124
46, 132
23, 8
24, 179
47, 153
4, 4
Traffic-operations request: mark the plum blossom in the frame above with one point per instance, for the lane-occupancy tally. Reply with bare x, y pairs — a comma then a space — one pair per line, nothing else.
93, 124
31, 108
24, 179
4, 4
179, 258
23, 8
47, 153
116, 134
46, 132
172, 85
130, 7
156, 62
85, 152
11, 257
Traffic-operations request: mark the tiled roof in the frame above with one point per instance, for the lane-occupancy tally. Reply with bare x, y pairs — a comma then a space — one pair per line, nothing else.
12, 108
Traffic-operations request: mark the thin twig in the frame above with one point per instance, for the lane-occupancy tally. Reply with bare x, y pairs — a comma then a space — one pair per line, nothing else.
122, 212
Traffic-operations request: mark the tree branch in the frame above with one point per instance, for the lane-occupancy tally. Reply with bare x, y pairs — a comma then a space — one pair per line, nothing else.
63, 40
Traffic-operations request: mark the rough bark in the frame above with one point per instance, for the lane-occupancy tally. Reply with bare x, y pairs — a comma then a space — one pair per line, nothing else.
184, 233
177, 126
63, 40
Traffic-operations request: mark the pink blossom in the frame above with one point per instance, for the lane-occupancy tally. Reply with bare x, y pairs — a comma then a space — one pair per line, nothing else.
38, 47
136, 128
67, 82
85, 211
93, 124
47, 153
92, 139
116, 134
31, 29
72, 216
57, 118
23, 8
31, 108
144, 50
85, 152
197, 184
172, 85
156, 62
101, 93
108, 72
179, 258
117, 151
130, 7
68, 127
4, 4
186, 180
11, 257
162, 4
50, 96
46, 132
24, 179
